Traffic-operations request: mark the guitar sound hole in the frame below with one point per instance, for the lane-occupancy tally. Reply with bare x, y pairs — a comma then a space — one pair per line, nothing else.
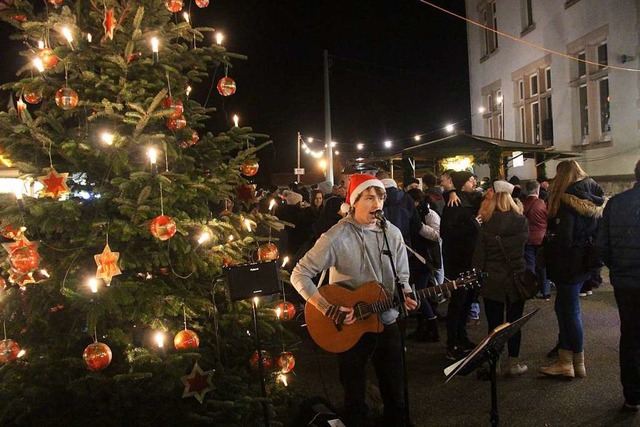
361, 310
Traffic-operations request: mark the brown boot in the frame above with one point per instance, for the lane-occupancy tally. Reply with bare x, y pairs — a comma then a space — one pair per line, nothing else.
578, 365
563, 366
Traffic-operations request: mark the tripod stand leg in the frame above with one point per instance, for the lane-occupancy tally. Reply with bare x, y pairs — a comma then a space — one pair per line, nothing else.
263, 383
493, 375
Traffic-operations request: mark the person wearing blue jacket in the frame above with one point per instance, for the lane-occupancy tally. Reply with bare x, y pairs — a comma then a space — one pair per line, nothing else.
618, 243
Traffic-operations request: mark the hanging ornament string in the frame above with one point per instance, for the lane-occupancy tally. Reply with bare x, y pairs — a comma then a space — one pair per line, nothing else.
161, 200
168, 82
95, 334
184, 314
4, 327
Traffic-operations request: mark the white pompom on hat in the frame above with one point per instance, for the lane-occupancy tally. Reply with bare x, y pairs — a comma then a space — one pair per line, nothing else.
357, 184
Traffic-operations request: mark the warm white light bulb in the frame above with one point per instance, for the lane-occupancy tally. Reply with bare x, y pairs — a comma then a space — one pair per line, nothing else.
481, 110
322, 164
89, 37
93, 285
336, 152
66, 32
309, 140
155, 44
40, 44
22, 353
37, 62
333, 143
236, 120
417, 137
360, 146
283, 379
219, 38
272, 203
188, 90
107, 138
256, 300
153, 155
499, 100
449, 128
204, 237
278, 312
285, 261
45, 273
159, 338
231, 237
388, 144
185, 15
247, 224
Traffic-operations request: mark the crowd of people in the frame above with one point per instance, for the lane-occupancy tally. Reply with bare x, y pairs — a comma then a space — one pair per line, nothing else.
433, 231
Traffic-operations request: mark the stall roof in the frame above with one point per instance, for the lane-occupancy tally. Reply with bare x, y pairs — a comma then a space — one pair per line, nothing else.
465, 144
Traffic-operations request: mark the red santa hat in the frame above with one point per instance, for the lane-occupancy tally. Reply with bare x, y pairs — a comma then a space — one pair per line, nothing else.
357, 184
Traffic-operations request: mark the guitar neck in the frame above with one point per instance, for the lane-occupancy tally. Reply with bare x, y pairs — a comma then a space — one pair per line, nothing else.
433, 291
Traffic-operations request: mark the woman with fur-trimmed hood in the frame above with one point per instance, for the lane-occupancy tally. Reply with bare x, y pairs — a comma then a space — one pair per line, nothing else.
575, 203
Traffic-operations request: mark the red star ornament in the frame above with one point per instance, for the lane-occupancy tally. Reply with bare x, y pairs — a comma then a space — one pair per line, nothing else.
197, 383
107, 263
19, 243
54, 184
109, 24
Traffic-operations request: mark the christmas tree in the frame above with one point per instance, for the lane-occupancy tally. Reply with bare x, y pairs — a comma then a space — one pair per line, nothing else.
113, 299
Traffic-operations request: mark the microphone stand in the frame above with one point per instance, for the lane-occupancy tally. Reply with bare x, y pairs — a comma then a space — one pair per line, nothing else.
403, 314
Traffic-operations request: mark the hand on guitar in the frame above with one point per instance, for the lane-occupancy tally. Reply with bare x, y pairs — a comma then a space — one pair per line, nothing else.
340, 315
409, 302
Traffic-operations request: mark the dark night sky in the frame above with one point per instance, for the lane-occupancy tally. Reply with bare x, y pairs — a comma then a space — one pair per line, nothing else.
399, 67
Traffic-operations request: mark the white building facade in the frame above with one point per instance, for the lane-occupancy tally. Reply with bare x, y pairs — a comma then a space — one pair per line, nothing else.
522, 92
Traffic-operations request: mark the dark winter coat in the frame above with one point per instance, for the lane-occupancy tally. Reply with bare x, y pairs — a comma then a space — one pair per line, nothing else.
513, 230
436, 199
400, 210
618, 240
458, 230
572, 230
536, 212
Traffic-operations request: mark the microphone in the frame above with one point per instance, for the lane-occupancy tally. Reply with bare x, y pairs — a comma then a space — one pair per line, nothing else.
379, 214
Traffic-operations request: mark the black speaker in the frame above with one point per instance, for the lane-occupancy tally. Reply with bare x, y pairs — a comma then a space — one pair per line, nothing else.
246, 281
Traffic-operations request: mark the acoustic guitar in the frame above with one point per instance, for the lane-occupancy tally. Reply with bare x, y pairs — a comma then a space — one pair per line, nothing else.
367, 301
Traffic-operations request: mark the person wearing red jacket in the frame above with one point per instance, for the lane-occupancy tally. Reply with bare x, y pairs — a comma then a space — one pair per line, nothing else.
535, 209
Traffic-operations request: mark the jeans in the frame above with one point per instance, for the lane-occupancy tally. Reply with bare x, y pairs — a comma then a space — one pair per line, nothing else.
628, 302
567, 306
384, 350
495, 312
530, 258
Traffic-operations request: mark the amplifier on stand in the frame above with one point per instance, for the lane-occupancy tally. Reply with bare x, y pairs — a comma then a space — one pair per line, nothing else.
245, 281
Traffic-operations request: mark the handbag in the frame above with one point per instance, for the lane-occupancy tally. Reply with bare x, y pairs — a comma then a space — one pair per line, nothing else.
526, 281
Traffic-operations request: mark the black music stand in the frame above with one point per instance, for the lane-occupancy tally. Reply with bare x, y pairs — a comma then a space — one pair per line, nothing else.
489, 351
247, 281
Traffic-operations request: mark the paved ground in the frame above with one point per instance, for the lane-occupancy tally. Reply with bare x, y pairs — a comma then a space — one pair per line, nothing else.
530, 400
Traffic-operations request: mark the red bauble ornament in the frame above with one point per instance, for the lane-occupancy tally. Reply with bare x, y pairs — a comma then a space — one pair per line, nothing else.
48, 57
174, 104
66, 98
9, 350
24, 259
176, 124
287, 310
97, 356
163, 227
186, 143
186, 339
286, 362
55, 2
249, 167
202, 3
174, 5
267, 360
267, 252
32, 96
226, 86
20, 18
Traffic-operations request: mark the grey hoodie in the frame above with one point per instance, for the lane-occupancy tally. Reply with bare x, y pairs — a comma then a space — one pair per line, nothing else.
353, 254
